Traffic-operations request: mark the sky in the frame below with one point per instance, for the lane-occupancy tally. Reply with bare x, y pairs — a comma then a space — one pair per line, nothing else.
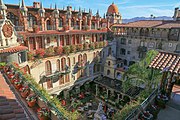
127, 8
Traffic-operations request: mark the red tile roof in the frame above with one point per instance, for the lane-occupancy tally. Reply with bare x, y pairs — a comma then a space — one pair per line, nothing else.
49, 32
13, 49
151, 23
167, 62
9, 106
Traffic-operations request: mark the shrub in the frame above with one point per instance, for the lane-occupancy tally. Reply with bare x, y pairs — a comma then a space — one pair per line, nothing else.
72, 48
92, 46
79, 47
66, 50
101, 44
96, 45
86, 46
30, 55
40, 53
58, 50
49, 51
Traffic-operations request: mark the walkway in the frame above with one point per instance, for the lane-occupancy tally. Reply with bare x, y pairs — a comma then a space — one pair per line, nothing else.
172, 111
10, 108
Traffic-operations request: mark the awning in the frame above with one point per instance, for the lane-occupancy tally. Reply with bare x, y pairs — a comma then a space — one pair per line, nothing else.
13, 49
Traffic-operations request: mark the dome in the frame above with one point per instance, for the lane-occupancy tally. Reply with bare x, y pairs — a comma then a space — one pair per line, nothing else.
113, 9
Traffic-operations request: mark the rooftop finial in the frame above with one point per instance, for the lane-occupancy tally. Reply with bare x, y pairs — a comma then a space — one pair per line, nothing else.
41, 5
23, 3
19, 3
55, 6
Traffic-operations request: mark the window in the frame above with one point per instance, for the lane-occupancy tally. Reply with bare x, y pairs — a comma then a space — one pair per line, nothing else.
61, 79
31, 20
109, 63
60, 22
14, 19
123, 41
22, 57
67, 78
128, 52
129, 41
49, 84
58, 65
48, 40
48, 68
63, 64
108, 72
74, 60
122, 51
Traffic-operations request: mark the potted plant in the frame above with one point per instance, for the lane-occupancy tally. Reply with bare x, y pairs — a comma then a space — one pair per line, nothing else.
2, 65
40, 53
73, 48
66, 50
24, 90
49, 51
43, 113
58, 50
17, 84
31, 100
35, 28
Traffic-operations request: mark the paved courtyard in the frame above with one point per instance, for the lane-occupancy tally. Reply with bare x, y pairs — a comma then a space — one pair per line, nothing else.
172, 111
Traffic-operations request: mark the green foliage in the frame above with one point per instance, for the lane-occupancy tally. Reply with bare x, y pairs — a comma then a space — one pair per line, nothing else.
66, 50
140, 74
2, 64
49, 51
43, 93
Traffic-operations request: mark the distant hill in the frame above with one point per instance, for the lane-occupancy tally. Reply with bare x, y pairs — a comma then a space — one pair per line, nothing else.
146, 18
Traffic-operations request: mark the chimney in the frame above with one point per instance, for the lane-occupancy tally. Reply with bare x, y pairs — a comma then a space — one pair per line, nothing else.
36, 4
176, 10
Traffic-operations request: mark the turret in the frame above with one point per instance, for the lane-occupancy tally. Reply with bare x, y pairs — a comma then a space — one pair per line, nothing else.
41, 11
3, 9
176, 12
23, 8
80, 14
56, 12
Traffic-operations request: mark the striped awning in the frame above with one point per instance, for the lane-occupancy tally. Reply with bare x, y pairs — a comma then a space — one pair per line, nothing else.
13, 49
166, 62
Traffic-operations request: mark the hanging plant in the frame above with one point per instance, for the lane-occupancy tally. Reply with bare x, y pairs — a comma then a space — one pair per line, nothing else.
40, 53
66, 50
73, 48
43, 113
24, 90
18, 84
58, 50
31, 100
49, 51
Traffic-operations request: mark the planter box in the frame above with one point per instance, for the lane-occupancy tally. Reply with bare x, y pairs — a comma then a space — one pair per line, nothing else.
31, 103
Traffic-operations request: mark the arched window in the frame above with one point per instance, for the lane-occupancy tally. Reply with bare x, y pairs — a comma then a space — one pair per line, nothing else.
67, 78
58, 65
109, 63
108, 72
94, 55
61, 79
97, 53
60, 22
85, 58
31, 20
68, 61
48, 25
80, 60
48, 69
72, 22
63, 64
14, 19
109, 51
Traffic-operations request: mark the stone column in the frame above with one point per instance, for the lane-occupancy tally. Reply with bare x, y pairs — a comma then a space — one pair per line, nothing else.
107, 93
42, 24
36, 43
56, 23
64, 40
97, 90
58, 40
75, 39
80, 24
45, 41
28, 44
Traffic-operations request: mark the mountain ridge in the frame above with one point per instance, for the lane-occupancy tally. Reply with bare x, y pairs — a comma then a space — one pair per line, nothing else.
146, 18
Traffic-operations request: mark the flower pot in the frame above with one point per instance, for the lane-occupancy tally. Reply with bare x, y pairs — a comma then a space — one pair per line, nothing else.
43, 117
31, 103
13, 80
17, 86
25, 94
10, 76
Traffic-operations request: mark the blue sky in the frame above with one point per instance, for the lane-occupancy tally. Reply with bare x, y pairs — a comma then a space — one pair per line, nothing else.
128, 8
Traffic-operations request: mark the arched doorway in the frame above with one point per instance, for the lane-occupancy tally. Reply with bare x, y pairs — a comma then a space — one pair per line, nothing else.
48, 69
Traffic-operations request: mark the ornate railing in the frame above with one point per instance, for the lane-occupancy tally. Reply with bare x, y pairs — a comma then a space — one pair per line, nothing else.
19, 28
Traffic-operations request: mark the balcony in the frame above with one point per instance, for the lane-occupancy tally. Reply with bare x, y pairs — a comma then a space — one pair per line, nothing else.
19, 28
142, 49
